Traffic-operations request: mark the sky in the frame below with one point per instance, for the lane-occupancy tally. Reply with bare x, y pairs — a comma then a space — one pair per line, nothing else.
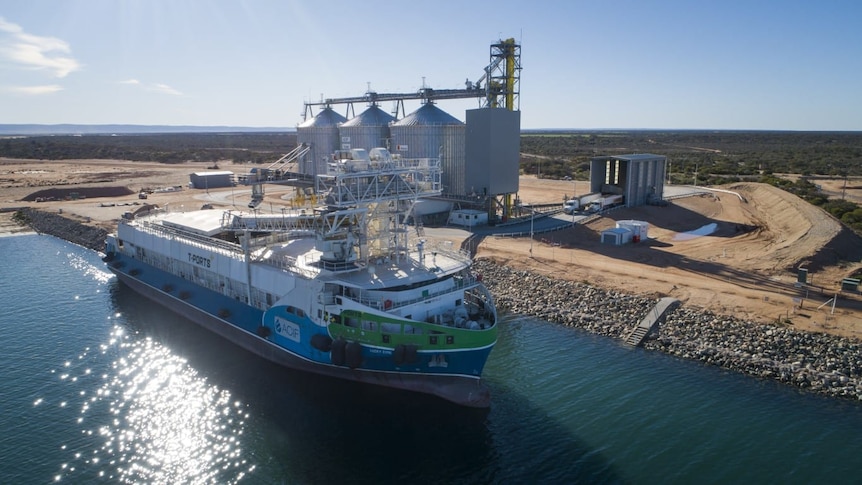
609, 64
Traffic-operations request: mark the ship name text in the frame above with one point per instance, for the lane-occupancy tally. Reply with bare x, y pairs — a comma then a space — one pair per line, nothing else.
200, 260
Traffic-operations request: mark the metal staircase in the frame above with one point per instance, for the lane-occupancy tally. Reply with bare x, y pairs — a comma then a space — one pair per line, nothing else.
636, 337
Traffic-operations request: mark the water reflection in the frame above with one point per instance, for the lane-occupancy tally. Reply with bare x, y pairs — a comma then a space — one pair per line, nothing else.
152, 419
85, 267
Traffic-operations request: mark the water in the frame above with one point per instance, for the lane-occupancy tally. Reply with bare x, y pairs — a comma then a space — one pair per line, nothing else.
99, 386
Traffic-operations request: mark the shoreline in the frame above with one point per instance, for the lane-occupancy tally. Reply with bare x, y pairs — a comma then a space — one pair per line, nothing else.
54, 224
822, 363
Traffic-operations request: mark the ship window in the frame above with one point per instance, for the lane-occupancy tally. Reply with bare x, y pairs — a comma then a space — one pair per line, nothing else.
268, 298
450, 339
432, 340
385, 338
458, 302
300, 312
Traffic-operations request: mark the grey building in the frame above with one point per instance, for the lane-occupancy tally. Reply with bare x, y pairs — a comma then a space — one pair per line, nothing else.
639, 178
493, 152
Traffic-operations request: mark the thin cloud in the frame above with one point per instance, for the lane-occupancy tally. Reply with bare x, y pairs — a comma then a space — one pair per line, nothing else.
164, 89
34, 51
34, 90
153, 88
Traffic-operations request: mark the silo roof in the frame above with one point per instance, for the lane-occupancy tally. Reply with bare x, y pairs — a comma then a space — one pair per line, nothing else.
428, 114
326, 117
373, 116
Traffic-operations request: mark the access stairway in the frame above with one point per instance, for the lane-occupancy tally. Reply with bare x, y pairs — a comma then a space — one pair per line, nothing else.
636, 337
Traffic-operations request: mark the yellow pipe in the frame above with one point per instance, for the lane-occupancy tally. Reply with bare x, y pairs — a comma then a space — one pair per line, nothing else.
510, 74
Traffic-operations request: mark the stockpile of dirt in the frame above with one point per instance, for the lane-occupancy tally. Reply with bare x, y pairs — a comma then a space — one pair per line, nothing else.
77, 193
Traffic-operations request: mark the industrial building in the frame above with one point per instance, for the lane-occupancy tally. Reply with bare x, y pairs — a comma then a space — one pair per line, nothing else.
211, 180
479, 157
639, 178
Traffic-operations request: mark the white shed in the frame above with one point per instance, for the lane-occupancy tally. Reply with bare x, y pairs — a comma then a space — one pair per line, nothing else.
468, 217
617, 236
639, 229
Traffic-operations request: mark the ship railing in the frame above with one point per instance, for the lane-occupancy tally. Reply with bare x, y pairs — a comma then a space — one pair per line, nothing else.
383, 303
444, 249
277, 238
289, 263
197, 240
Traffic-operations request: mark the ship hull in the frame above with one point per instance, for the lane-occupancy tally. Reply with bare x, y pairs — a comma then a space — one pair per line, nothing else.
239, 323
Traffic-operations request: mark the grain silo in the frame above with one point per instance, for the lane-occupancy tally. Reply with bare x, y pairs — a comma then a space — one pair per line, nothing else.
370, 129
321, 135
430, 132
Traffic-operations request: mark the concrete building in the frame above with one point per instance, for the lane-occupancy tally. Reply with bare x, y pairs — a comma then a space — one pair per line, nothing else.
639, 178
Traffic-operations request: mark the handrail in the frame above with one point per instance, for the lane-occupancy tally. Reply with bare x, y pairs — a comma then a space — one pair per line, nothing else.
200, 241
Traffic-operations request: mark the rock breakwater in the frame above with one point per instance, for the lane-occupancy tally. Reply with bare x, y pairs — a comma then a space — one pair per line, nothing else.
817, 362
63, 227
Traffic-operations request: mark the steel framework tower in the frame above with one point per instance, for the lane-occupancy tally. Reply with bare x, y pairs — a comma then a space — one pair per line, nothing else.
504, 76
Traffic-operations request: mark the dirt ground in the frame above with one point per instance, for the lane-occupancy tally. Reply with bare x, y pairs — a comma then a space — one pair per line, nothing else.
745, 265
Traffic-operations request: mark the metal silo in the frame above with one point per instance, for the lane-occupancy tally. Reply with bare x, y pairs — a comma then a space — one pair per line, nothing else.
430, 132
370, 129
321, 135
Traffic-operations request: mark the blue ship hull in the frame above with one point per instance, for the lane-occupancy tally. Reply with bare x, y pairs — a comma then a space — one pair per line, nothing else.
454, 378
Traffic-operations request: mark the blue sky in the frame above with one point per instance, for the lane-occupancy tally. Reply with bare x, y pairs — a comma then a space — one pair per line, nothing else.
787, 65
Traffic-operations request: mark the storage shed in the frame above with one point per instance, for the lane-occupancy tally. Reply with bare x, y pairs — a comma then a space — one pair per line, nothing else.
468, 217
617, 236
211, 180
639, 229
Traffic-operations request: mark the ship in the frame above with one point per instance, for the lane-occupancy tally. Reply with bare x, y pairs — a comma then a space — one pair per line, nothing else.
344, 286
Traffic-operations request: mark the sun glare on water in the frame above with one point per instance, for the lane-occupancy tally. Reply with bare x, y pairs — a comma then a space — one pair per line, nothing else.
153, 419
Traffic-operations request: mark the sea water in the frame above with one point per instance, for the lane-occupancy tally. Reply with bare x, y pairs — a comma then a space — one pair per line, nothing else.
102, 386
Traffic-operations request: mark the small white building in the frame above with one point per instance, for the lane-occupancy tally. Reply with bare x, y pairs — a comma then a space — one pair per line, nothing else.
639, 229
468, 217
617, 236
